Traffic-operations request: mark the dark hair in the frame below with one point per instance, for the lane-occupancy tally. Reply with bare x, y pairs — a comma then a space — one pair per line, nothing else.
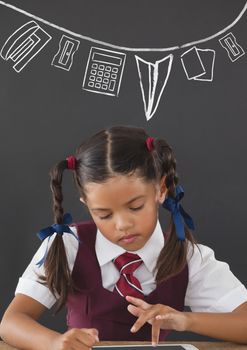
112, 151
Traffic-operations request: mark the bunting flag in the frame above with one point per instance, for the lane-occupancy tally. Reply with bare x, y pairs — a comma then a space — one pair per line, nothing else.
24, 44
106, 62
104, 71
153, 79
234, 50
64, 57
198, 64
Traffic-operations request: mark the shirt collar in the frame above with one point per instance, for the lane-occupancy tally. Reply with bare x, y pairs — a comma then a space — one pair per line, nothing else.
106, 251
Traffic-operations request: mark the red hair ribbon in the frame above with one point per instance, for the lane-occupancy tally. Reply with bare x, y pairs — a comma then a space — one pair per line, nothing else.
150, 143
71, 162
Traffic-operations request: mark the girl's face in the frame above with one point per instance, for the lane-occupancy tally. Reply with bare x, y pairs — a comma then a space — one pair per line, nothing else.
125, 209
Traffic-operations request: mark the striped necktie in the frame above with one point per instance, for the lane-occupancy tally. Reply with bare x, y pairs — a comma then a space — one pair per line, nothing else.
127, 284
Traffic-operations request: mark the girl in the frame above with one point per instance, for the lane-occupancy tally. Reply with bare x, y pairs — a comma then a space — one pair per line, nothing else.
120, 277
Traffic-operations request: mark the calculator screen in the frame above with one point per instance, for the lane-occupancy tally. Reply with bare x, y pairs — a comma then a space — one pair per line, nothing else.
107, 59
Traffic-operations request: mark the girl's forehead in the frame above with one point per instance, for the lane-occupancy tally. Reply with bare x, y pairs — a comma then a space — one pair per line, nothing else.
119, 188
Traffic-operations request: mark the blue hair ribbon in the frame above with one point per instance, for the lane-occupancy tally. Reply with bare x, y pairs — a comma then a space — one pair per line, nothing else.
178, 213
55, 228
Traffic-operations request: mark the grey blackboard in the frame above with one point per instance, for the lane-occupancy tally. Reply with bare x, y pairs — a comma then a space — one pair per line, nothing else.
47, 107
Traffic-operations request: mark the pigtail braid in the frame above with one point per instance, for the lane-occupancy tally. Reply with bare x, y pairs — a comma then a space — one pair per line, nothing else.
173, 256
56, 177
57, 274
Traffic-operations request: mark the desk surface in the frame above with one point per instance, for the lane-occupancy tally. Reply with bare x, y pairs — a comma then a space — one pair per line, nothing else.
199, 345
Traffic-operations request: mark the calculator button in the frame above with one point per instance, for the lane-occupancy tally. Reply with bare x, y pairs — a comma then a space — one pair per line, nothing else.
114, 76
98, 86
94, 65
107, 75
112, 85
106, 81
99, 79
93, 72
114, 70
104, 87
91, 84
100, 73
101, 67
108, 68
92, 77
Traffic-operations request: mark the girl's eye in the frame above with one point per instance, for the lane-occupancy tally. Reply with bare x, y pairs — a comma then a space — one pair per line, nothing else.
105, 217
108, 216
137, 208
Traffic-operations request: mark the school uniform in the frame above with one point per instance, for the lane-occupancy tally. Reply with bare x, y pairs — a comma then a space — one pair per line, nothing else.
205, 284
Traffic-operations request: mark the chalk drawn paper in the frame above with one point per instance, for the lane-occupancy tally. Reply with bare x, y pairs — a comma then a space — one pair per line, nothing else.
64, 57
24, 44
198, 64
234, 50
153, 79
123, 48
104, 71
208, 58
192, 63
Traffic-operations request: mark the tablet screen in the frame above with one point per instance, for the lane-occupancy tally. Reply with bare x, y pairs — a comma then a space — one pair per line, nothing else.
143, 347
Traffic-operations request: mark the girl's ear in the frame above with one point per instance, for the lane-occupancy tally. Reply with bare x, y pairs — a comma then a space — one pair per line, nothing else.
162, 189
82, 200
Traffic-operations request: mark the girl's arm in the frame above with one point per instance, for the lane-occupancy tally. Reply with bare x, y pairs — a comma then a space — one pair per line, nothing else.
230, 326
19, 328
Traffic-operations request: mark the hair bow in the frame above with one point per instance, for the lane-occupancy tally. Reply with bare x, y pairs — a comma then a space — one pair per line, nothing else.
178, 213
55, 228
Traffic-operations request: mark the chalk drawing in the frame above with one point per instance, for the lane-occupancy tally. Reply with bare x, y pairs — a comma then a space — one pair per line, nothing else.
153, 79
64, 57
104, 71
198, 64
234, 50
123, 48
24, 44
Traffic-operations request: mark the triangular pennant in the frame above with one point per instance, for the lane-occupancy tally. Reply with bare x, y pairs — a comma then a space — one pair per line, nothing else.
153, 79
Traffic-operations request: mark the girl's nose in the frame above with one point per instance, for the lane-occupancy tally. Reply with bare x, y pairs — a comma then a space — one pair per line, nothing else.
123, 224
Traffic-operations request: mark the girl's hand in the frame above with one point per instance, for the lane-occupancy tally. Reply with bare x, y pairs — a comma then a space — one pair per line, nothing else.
159, 316
76, 339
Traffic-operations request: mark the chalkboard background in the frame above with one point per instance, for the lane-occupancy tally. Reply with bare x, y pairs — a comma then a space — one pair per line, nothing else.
46, 113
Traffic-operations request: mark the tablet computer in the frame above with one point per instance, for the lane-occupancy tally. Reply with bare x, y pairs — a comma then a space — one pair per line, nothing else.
148, 347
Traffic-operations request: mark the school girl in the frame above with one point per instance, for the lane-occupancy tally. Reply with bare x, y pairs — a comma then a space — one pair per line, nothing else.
120, 276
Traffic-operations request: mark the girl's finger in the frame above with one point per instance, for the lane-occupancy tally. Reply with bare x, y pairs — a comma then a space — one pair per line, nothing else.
76, 344
134, 310
162, 317
138, 302
155, 332
92, 331
86, 338
79, 346
145, 316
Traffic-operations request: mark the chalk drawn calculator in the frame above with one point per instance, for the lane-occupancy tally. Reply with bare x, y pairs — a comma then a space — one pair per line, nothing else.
165, 346
104, 71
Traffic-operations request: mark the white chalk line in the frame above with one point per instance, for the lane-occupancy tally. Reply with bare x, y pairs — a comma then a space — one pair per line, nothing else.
123, 48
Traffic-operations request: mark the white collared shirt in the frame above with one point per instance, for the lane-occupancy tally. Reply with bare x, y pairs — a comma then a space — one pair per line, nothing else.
212, 287
106, 251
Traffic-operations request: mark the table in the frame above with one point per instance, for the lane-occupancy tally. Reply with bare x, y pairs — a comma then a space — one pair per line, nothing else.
198, 344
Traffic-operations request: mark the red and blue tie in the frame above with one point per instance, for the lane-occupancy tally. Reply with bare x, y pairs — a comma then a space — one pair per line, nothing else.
128, 284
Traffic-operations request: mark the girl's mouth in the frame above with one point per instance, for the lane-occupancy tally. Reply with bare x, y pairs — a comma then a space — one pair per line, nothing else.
128, 239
